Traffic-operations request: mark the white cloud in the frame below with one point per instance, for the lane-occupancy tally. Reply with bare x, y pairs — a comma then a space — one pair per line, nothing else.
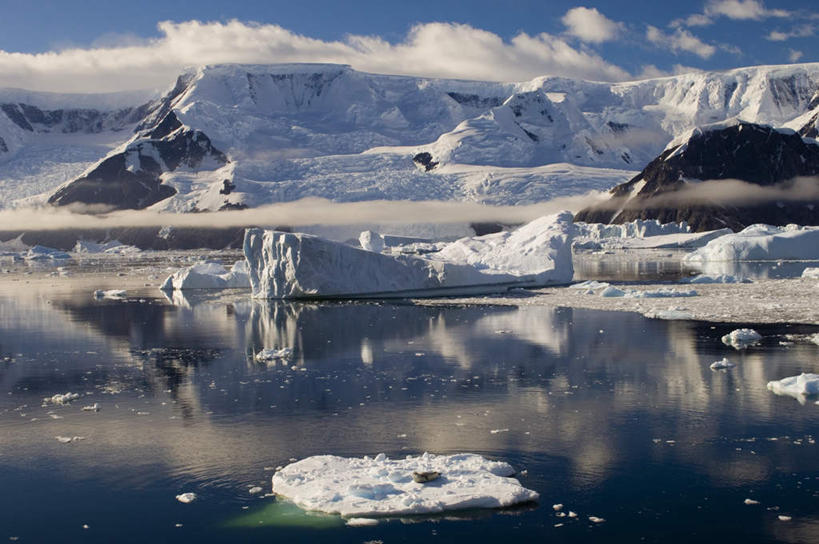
433, 50
794, 55
649, 71
697, 19
590, 25
680, 40
801, 31
742, 10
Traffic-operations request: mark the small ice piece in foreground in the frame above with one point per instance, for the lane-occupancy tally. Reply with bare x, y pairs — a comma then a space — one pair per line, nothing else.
741, 338
612, 292
595, 519
361, 522
274, 354
557, 507
64, 398
69, 439
797, 387
91, 408
750, 502
721, 365
784, 518
255, 490
186, 497
372, 487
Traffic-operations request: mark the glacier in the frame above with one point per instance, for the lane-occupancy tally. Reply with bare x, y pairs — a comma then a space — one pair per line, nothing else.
285, 265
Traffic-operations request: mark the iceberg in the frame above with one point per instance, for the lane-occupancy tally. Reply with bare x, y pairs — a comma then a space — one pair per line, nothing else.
379, 486
761, 243
113, 247
741, 338
811, 273
42, 253
722, 364
207, 275
286, 265
797, 387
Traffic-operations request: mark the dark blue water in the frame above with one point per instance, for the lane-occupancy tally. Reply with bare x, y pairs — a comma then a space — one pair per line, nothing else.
611, 414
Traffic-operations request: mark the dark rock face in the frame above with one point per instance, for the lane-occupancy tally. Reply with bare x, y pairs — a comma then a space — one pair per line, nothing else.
131, 179
70, 121
3, 147
425, 160
475, 101
756, 154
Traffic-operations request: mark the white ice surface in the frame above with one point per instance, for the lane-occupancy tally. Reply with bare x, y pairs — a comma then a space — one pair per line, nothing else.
797, 387
663, 292
761, 243
208, 275
274, 354
811, 272
715, 278
722, 364
287, 265
376, 487
741, 338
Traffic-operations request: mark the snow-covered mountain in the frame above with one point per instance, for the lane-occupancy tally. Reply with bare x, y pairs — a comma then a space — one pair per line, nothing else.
769, 161
231, 136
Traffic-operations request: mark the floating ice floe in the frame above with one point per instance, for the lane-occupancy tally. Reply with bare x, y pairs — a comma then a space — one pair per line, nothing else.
42, 253
68, 439
186, 497
721, 365
61, 398
741, 338
206, 275
113, 247
761, 243
797, 387
663, 292
292, 265
274, 354
374, 487
670, 314
812, 273
110, 293
715, 278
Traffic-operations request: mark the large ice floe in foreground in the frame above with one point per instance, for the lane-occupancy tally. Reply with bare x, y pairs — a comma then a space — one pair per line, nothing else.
379, 486
207, 275
761, 243
291, 265
798, 387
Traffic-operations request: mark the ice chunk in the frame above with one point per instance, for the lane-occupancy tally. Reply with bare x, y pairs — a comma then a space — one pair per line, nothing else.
355, 487
110, 293
796, 386
361, 522
208, 275
613, 292
741, 338
274, 354
186, 497
287, 265
812, 273
723, 364
715, 278
61, 398
371, 241
113, 247
761, 243
42, 253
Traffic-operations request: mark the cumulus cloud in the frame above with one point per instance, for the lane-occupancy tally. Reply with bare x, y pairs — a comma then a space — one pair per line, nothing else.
431, 49
742, 10
590, 25
680, 40
794, 55
801, 31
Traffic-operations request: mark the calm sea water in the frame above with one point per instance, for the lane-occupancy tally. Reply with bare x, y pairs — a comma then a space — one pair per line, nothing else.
611, 414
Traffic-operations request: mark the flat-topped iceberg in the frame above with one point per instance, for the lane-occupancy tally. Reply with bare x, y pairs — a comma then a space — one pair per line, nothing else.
379, 486
761, 243
208, 275
292, 265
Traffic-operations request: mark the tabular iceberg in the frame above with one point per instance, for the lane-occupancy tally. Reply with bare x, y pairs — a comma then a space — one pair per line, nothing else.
761, 243
289, 265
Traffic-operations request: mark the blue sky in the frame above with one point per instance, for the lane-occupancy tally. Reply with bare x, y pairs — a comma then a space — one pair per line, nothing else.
46, 44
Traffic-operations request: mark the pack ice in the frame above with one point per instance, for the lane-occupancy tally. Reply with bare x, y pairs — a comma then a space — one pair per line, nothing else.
292, 265
207, 275
761, 243
385, 487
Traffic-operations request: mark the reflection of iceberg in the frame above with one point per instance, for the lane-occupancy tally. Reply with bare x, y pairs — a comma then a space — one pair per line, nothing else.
287, 265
